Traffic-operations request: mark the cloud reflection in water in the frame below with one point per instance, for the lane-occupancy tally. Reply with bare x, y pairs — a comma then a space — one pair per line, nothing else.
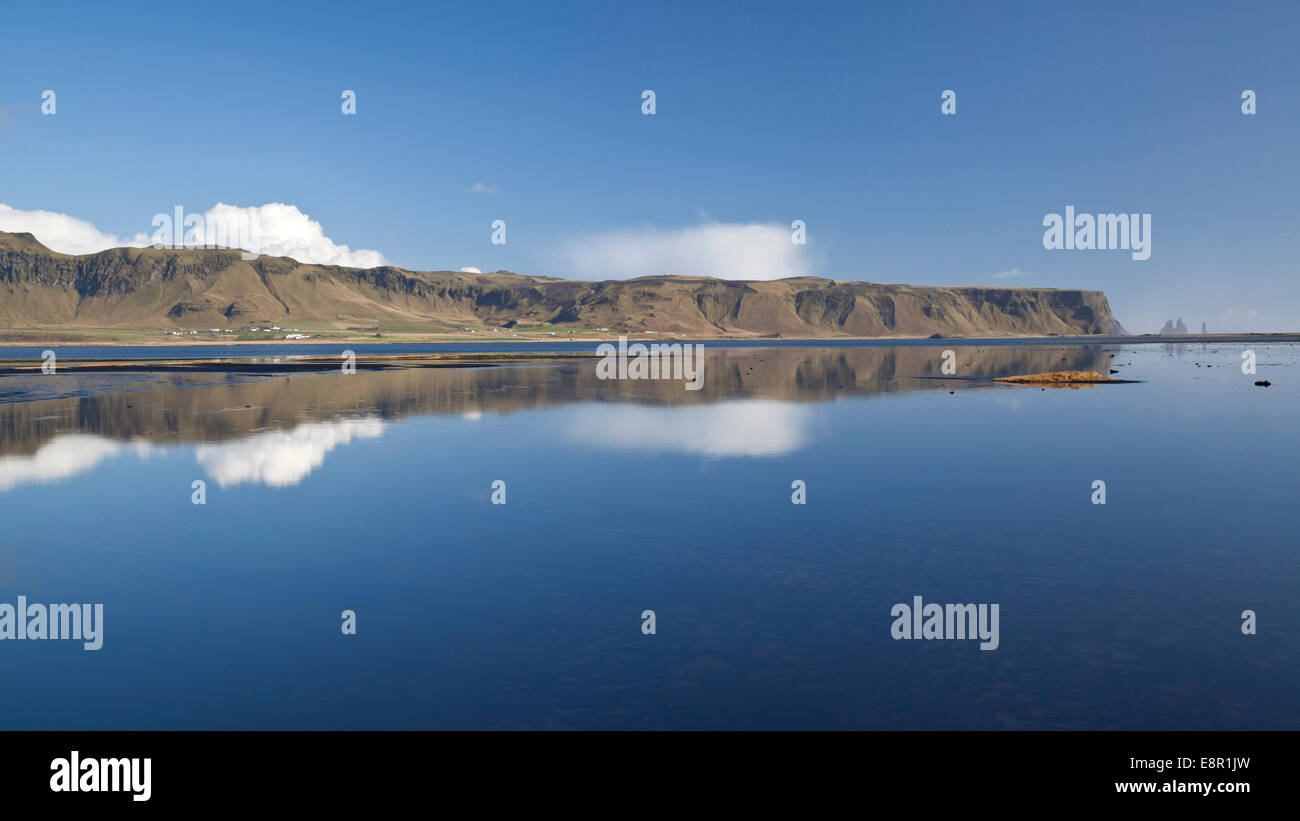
282, 458
721, 430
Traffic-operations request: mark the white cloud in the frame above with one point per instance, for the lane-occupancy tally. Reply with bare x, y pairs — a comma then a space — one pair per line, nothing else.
731, 429
283, 230
1014, 272
727, 250
282, 458
274, 229
1247, 319
481, 187
470, 271
1241, 313
62, 233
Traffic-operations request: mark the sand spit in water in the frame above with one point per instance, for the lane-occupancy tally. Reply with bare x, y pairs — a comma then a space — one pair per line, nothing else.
1063, 379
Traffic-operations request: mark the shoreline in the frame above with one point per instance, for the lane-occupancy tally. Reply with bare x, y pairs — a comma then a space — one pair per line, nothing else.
291, 357
55, 340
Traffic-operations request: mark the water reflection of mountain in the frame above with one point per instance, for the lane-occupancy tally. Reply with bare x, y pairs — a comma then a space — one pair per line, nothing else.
227, 411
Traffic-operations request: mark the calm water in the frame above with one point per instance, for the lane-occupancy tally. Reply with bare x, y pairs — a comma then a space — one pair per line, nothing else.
371, 492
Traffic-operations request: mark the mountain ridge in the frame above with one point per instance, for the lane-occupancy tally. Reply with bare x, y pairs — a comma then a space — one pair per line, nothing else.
190, 288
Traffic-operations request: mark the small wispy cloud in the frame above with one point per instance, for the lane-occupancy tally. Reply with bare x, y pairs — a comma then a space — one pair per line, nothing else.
1014, 272
481, 187
470, 270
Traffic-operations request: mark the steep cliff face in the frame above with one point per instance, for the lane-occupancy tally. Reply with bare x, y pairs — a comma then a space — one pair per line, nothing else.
189, 288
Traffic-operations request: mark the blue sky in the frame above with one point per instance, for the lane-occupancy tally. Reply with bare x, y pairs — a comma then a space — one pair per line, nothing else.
765, 113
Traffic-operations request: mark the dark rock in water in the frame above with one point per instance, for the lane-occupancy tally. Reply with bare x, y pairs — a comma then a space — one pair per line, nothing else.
1112, 370
1264, 383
